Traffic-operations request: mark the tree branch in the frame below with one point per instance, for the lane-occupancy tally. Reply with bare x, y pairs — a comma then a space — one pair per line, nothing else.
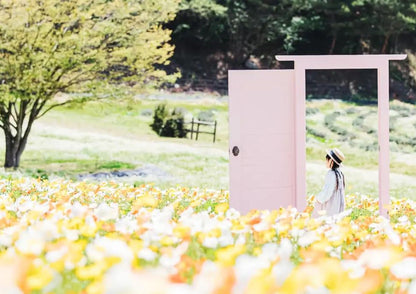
52, 107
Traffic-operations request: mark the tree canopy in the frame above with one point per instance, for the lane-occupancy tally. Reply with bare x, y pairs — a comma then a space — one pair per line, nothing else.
262, 27
53, 46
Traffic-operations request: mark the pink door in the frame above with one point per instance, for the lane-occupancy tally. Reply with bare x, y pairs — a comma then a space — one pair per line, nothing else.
262, 139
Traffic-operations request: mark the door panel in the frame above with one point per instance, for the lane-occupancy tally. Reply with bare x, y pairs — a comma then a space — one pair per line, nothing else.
262, 126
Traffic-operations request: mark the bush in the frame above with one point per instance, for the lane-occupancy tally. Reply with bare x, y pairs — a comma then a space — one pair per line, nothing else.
159, 118
311, 110
169, 125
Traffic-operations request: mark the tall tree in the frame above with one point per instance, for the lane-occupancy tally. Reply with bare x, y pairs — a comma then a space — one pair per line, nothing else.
386, 18
53, 46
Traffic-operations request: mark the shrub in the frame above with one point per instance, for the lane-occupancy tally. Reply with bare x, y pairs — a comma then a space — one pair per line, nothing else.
169, 125
159, 118
315, 133
311, 110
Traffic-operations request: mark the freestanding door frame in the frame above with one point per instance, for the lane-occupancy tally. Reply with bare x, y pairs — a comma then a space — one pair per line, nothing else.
316, 62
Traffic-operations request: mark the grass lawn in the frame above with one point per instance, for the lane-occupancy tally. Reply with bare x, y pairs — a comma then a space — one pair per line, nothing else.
115, 135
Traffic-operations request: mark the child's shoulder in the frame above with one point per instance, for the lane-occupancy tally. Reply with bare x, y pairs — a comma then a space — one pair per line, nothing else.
331, 173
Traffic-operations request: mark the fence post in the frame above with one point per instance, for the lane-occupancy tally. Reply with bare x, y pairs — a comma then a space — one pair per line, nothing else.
197, 131
215, 130
192, 128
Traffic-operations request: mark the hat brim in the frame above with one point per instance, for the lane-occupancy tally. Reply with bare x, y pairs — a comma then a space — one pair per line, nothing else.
329, 154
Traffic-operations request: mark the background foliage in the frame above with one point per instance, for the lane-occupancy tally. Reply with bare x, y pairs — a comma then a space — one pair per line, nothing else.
216, 35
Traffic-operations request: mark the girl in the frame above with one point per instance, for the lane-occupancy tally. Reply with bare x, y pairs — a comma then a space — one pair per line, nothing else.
331, 198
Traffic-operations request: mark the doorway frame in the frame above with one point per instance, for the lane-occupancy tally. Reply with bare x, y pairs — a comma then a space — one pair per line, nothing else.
316, 62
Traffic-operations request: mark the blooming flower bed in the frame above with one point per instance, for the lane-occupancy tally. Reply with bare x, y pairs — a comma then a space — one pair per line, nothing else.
65, 237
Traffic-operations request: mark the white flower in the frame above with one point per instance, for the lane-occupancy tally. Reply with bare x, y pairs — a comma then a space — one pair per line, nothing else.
77, 210
226, 240
246, 267
47, 229
232, 213
119, 279
210, 242
269, 252
392, 235
30, 242
126, 225
241, 240
308, 238
354, 268
169, 262
206, 281
55, 255
285, 249
71, 235
147, 254
282, 270
103, 247
403, 219
106, 212
405, 269
375, 258
261, 226
25, 205
6, 236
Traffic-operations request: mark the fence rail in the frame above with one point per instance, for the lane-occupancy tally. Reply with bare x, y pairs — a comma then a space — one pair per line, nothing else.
195, 128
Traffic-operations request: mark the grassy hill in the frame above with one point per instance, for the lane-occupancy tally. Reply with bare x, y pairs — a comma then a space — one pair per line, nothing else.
115, 135
353, 128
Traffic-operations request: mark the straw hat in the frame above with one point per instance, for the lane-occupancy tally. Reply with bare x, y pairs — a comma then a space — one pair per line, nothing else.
336, 155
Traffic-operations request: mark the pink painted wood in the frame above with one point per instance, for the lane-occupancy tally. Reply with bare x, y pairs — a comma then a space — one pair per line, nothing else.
262, 116
379, 62
268, 124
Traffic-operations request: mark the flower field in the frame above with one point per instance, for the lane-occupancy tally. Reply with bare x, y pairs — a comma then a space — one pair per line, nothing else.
65, 237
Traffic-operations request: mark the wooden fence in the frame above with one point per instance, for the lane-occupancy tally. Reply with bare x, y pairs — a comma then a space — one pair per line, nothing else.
195, 128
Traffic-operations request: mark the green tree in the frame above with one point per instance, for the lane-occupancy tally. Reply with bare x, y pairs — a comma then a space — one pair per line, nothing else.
254, 25
384, 20
63, 46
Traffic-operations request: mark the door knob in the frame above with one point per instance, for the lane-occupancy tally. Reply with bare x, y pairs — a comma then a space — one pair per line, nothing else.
235, 151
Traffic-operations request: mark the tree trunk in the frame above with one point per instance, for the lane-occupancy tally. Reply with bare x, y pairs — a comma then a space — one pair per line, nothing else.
14, 150
386, 42
334, 41
16, 142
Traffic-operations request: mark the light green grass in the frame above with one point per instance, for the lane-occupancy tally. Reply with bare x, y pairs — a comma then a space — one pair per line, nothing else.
116, 135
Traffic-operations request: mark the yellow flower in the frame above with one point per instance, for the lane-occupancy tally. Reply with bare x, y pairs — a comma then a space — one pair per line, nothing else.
135, 245
39, 277
166, 241
95, 287
271, 218
326, 273
76, 251
216, 233
88, 231
321, 245
91, 271
257, 251
181, 231
58, 265
147, 200
222, 207
237, 225
262, 283
226, 256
